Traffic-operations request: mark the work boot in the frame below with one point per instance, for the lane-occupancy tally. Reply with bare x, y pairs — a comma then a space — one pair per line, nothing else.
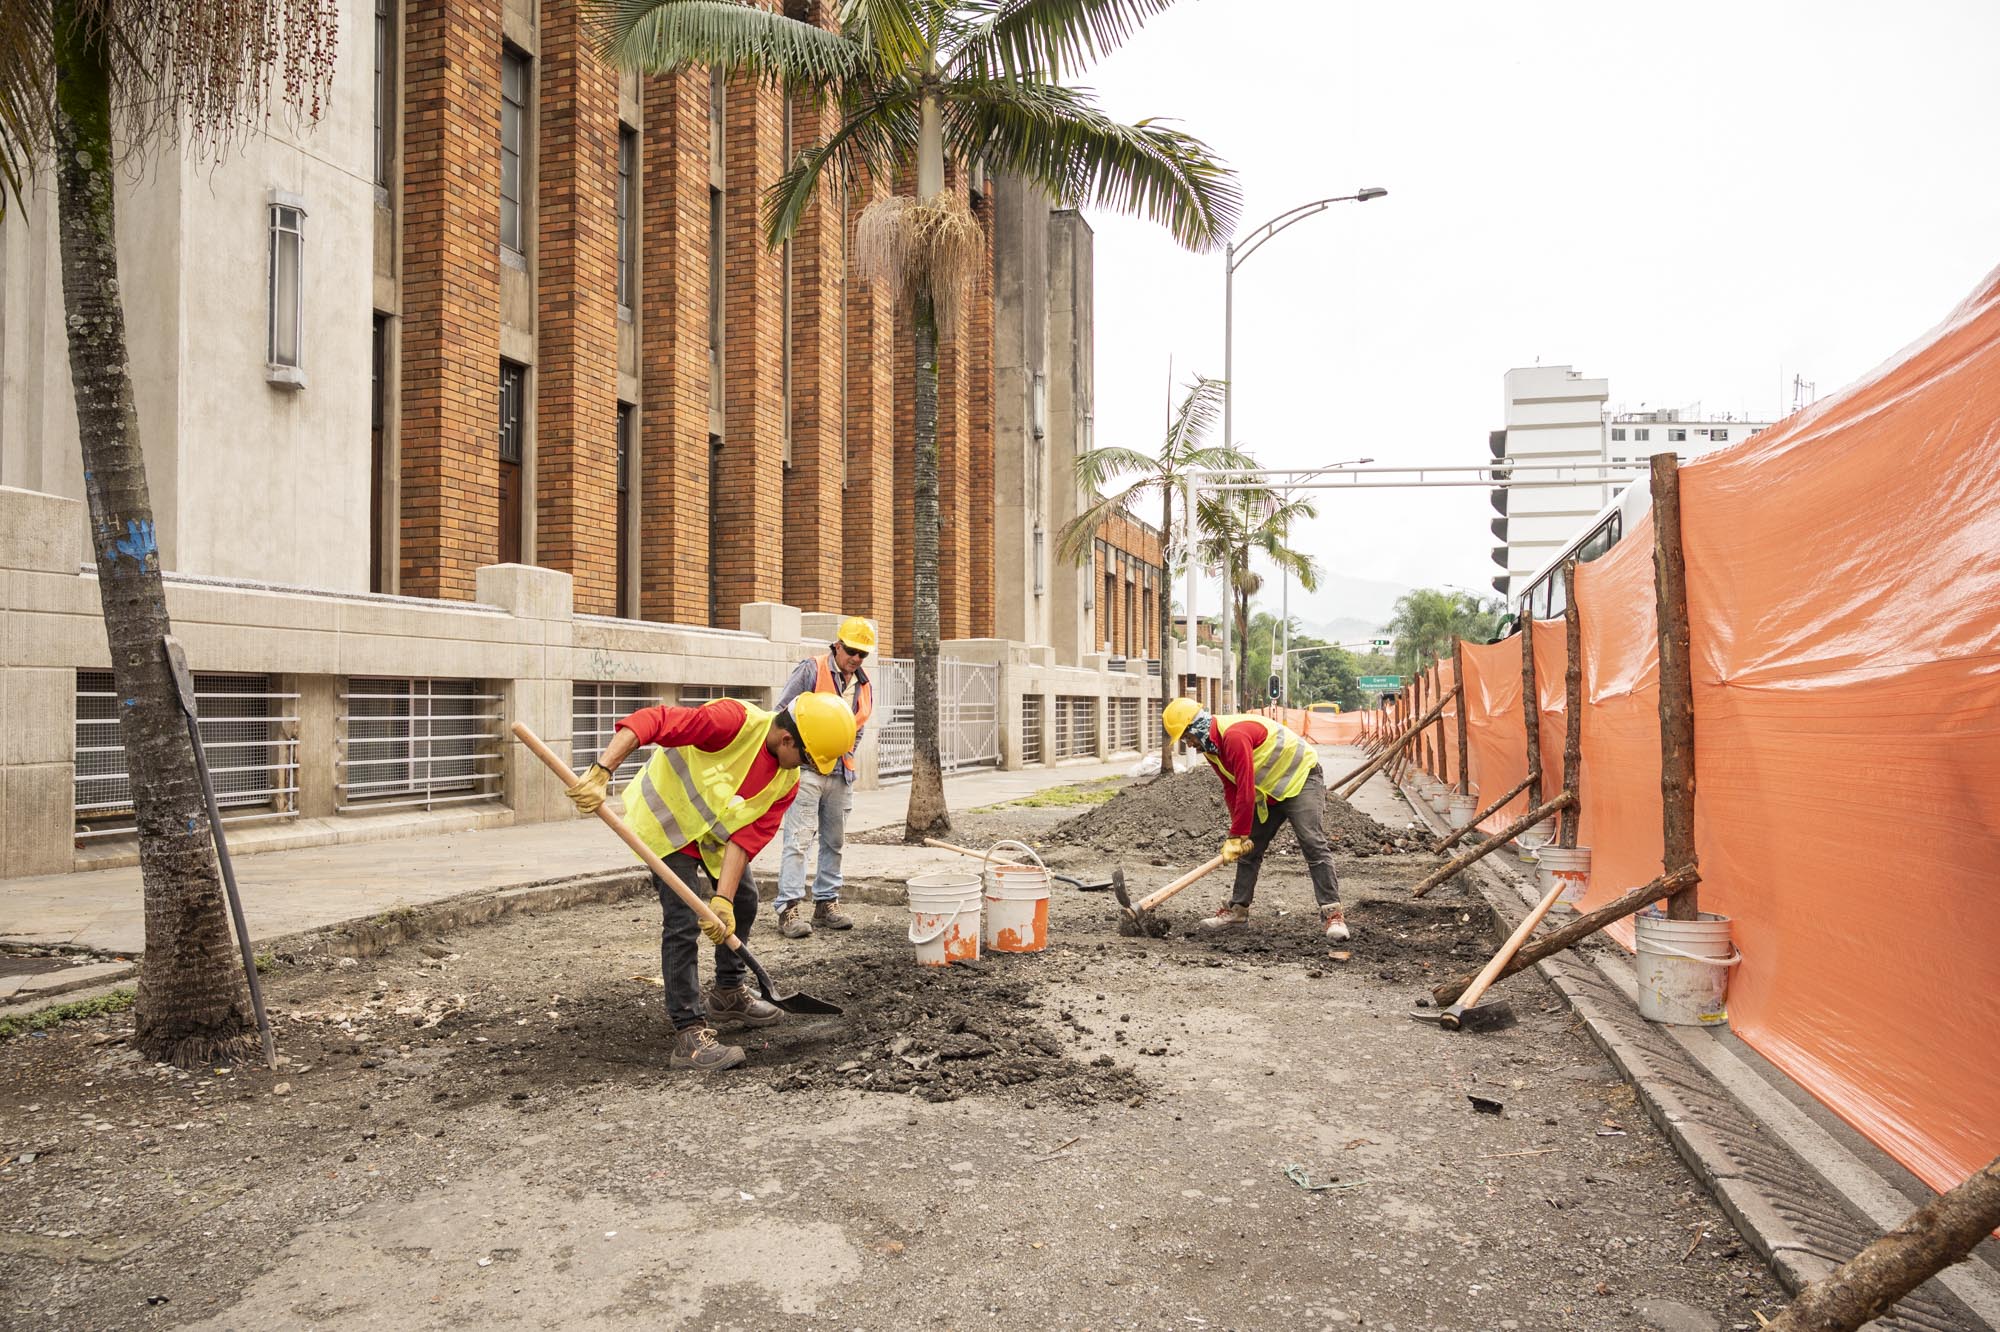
1335, 921
827, 915
792, 922
741, 1005
696, 1048
1230, 917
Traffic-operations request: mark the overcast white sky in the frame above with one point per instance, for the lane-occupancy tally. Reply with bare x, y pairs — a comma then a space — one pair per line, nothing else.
1694, 200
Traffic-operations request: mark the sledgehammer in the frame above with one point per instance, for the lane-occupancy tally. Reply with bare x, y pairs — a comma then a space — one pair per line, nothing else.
1468, 1012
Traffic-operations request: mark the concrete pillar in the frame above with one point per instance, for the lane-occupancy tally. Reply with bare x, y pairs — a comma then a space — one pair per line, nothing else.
319, 743
38, 534
540, 697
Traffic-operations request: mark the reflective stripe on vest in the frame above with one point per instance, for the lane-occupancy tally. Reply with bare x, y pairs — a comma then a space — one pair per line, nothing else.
1279, 766
687, 795
863, 701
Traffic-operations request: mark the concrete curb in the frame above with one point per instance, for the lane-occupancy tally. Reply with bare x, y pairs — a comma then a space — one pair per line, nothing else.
378, 934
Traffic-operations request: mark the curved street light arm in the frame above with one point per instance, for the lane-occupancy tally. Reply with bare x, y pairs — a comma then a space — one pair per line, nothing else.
1238, 253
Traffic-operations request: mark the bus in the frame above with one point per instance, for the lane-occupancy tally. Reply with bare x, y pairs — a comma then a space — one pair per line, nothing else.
1544, 597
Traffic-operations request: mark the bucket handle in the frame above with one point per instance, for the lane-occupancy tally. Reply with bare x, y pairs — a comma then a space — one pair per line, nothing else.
992, 852
938, 933
1735, 955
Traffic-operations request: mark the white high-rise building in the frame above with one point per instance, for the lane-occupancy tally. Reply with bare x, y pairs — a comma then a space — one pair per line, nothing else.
1556, 415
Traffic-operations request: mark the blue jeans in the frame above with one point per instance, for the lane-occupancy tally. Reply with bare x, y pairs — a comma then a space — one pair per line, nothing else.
818, 811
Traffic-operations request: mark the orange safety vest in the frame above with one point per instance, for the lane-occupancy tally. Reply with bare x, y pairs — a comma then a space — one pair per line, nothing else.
863, 701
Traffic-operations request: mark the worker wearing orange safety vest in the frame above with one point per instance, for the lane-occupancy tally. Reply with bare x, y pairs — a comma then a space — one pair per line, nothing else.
1270, 777
819, 813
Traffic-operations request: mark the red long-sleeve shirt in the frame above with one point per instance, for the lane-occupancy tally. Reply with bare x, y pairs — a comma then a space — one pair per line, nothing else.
1239, 745
710, 728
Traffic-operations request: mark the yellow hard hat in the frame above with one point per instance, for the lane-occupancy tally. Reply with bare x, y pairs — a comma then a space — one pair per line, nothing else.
1177, 716
826, 727
857, 633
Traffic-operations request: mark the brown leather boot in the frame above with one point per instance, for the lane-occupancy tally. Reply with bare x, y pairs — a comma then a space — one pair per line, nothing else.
828, 916
697, 1048
741, 1005
1230, 917
792, 922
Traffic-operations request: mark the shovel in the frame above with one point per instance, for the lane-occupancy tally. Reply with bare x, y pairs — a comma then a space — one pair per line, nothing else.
1115, 883
1139, 917
791, 1003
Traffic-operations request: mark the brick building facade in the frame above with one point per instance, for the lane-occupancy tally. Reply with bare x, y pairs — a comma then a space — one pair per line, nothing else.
1126, 572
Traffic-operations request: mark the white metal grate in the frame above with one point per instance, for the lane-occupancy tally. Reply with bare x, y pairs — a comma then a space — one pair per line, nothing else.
1076, 726
249, 734
596, 709
417, 742
1126, 711
694, 695
968, 715
1031, 728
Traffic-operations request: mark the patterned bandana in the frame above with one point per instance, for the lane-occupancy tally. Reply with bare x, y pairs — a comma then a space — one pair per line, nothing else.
1196, 733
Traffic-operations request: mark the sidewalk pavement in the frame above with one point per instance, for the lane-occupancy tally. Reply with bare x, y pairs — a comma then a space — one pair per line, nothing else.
290, 892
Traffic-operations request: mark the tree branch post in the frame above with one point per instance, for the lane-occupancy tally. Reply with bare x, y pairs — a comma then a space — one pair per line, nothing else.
1346, 786
1437, 736
1531, 708
1566, 829
1676, 682
1493, 843
1458, 692
1457, 834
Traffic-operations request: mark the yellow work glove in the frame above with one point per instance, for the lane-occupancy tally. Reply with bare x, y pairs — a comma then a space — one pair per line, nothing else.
1234, 849
718, 934
587, 792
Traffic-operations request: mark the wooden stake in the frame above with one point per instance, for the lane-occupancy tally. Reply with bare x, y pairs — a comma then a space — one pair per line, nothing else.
1531, 708
1572, 709
1936, 1235
1481, 817
1458, 692
1555, 941
1437, 738
1347, 785
1494, 843
1676, 681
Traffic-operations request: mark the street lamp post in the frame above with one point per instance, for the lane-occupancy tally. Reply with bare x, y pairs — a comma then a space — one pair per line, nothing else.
1233, 256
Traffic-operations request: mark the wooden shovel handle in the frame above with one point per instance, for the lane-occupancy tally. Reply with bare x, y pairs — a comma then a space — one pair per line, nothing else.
1152, 900
1492, 969
630, 838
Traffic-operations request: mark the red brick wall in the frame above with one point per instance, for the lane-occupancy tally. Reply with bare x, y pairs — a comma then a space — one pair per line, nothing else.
450, 374
869, 575
576, 325
813, 517
1125, 535
673, 360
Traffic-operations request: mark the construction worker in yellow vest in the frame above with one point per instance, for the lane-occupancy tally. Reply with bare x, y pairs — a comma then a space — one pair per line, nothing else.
820, 811
1270, 777
707, 802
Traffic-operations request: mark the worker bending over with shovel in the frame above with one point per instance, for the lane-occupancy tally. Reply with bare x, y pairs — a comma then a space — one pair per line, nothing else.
1270, 777
709, 800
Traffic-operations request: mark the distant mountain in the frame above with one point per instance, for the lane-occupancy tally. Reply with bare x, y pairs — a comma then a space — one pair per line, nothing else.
1345, 629
1340, 598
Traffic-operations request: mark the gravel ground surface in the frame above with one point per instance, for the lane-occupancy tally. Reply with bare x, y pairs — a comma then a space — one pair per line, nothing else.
1118, 1133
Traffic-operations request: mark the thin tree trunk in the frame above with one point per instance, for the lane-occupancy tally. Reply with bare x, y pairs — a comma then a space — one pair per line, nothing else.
1458, 695
1566, 829
191, 1003
928, 815
1676, 682
1166, 624
1531, 710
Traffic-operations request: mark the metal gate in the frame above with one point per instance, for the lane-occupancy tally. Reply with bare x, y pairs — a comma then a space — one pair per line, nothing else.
968, 715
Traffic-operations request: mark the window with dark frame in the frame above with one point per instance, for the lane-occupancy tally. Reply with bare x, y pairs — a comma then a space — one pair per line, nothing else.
513, 392
513, 146
628, 214
1677, 436
385, 93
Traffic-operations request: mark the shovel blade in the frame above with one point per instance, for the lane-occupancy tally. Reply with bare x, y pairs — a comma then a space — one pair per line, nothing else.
792, 1003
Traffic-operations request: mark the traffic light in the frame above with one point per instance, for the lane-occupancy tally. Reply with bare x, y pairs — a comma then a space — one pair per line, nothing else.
1274, 688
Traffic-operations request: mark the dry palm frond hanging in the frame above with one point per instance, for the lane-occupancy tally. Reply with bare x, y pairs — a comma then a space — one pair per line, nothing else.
916, 247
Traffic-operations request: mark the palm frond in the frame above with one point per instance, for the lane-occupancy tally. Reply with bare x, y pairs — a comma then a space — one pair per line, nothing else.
1055, 137
1201, 407
27, 92
874, 136
889, 29
1096, 467
1049, 38
1074, 540
664, 36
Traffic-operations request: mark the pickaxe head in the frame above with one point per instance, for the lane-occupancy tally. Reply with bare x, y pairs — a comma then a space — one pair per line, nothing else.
1493, 1015
1132, 922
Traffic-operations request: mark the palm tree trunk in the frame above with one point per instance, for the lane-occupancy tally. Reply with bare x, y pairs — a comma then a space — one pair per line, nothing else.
191, 1006
927, 815
1167, 681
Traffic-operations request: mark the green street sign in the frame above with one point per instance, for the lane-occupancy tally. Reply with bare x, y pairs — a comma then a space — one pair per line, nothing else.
1378, 683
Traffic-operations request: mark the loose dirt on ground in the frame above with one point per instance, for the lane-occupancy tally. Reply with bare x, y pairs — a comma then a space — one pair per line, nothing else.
1182, 811
482, 1130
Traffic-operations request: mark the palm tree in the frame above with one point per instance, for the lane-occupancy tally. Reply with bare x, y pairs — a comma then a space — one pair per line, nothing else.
1182, 454
1233, 523
1427, 621
88, 87
918, 83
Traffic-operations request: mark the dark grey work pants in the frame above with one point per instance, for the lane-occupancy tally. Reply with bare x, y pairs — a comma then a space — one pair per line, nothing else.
680, 940
1306, 812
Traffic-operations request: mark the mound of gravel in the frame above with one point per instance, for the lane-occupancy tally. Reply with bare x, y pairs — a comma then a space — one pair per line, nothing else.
1182, 814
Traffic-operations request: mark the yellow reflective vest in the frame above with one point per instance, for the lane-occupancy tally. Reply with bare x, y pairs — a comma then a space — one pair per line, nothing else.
1280, 765
685, 794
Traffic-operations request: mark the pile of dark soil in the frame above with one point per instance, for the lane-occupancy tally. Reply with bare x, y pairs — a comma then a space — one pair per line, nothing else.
1183, 814
940, 1032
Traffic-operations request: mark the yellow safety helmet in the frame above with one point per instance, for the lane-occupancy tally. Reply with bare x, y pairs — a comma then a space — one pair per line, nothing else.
857, 633
826, 727
1177, 716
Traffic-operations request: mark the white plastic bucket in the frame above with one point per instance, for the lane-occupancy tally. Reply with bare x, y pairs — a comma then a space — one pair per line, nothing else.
1683, 968
944, 917
1568, 866
1016, 918
1440, 799
1530, 843
1461, 810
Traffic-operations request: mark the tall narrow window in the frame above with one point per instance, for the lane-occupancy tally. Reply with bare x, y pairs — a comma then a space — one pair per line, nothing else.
285, 329
378, 418
624, 577
513, 399
513, 145
715, 294
385, 97
628, 219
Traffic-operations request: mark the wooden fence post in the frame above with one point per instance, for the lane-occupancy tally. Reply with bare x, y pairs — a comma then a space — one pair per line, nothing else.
1676, 683
1572, 710
1531, 709
1437, 738
1458, 687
